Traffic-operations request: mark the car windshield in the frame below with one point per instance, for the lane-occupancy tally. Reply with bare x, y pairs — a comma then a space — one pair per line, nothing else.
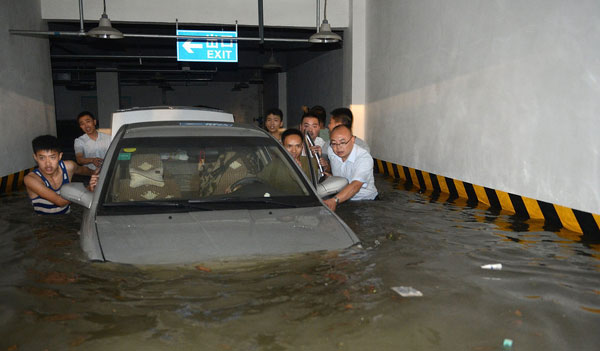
203, 173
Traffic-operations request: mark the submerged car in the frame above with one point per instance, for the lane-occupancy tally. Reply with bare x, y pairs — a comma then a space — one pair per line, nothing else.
190, 185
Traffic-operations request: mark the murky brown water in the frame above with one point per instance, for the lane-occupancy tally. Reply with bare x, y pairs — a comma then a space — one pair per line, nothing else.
546, 297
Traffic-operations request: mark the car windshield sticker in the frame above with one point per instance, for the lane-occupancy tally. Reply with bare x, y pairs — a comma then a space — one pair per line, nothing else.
124, 156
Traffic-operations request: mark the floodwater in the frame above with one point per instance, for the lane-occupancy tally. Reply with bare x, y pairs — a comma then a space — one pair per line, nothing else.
546, 297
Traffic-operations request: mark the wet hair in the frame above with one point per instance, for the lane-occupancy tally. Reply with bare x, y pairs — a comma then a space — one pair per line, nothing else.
310, 114
343, 115
342, 126
85, 113
276, 112
320, 113
45, 143
343, 119
291, 131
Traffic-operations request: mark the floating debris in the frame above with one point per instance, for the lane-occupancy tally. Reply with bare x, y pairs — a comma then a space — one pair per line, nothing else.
203, 268
493, 266
407, 291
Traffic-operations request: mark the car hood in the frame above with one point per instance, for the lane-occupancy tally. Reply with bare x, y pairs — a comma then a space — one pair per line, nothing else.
207, 235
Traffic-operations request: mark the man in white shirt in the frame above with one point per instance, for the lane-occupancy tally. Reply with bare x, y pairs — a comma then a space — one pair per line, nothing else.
354, 163
91, 147
343, 115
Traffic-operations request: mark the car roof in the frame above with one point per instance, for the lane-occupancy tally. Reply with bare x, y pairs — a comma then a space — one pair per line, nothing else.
166, 113
191, 129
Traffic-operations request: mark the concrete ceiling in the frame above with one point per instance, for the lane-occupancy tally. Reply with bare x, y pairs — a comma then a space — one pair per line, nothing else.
152, 61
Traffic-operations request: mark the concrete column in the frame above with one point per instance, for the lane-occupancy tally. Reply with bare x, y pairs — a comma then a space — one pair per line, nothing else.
282, 94
107, 90
359, 66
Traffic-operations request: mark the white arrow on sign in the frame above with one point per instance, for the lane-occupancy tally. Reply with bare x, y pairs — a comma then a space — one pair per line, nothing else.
189, 45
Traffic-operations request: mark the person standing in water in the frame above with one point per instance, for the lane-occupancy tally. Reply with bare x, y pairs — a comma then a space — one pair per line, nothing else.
91, 147
354, 163
293, 141
274, 122
44, 183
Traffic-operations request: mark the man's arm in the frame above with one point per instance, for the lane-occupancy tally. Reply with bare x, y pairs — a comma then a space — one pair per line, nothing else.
84, 161
79, 147
74, 168
36, 187
345, 194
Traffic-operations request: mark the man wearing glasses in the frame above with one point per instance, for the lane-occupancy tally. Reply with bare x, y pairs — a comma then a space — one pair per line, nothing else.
353, 163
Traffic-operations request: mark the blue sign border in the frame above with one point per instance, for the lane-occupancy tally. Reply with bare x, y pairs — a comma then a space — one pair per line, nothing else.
202, 54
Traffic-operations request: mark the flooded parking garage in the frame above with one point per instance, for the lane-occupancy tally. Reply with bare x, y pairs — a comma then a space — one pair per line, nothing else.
546, 296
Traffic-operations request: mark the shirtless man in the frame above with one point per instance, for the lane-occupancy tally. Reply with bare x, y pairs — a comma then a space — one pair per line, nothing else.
44, 183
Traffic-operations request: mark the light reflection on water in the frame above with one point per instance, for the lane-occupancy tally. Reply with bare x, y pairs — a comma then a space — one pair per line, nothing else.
547, 296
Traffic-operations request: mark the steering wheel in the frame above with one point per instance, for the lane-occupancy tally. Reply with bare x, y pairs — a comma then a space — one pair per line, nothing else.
246, 181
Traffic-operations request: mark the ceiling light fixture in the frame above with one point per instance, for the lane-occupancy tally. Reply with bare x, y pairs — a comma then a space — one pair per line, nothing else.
324, 33
105, 29
272, 64
256, 79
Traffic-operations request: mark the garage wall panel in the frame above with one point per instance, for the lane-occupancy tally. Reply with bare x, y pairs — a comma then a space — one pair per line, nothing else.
26, 99
315, 82
501, 94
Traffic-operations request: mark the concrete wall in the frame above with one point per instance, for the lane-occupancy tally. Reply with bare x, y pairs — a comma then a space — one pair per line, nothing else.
500, 94
288, 13
26, 100
243, 104
315, 82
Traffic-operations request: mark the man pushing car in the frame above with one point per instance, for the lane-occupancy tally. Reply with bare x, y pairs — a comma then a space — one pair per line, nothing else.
44, 183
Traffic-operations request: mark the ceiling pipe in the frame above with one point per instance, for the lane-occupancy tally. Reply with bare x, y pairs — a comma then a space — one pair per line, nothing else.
41, 33
131, 70
112, 57
261, 22
61, 82
81, 29
154, 36
318, 14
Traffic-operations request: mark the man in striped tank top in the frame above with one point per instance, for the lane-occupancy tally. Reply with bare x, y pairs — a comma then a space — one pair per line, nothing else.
44, 183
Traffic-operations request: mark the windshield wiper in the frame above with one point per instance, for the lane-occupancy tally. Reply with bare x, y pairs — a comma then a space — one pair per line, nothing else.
238, 200
172, 204
143, 203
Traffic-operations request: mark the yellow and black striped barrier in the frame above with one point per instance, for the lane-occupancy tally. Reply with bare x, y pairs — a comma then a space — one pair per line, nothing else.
13, 182
554, 215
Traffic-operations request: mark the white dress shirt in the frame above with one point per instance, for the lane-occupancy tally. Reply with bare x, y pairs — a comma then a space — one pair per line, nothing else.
358, 166
92, 148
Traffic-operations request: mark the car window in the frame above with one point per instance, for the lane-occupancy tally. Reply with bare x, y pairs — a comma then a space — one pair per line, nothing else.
203, 170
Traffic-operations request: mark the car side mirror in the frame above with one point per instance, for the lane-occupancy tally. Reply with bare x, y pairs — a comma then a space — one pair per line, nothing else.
77, 193
331, 185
